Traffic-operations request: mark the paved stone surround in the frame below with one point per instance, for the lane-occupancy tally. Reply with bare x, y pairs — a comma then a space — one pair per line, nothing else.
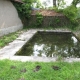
14, 46
8, 52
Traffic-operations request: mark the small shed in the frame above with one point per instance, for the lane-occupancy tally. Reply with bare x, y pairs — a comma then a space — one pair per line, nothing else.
9, 19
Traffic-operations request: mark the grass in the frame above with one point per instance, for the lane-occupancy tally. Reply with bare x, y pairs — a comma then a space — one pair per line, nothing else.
4, 40
15, 70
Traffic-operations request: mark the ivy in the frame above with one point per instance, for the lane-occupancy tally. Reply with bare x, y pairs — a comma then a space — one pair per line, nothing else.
39, 19
24, 9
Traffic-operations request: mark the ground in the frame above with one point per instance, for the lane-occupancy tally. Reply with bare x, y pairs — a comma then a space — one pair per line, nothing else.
46, 13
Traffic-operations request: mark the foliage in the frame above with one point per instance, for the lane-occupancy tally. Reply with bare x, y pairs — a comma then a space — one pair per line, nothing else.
56, 21
60, 4
75, 2
39, 19
38, 4
45, 4
24, 9
78, 13
78, 16
70, 12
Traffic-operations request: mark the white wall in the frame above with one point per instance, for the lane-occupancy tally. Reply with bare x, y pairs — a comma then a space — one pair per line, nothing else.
9, 20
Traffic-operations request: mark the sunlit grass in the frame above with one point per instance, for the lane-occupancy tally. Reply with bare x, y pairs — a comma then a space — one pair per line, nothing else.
4, 40
15, 70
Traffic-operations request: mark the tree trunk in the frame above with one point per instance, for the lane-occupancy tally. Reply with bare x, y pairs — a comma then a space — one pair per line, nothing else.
54, 3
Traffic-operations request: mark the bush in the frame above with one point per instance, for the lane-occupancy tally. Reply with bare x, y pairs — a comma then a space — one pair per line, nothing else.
78, 13
24, 9
70, 12
39, 19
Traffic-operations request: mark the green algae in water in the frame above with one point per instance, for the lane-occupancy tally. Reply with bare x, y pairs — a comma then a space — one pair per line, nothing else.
52, 44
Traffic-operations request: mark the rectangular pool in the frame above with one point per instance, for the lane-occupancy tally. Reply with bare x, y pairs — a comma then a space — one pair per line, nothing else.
51, 44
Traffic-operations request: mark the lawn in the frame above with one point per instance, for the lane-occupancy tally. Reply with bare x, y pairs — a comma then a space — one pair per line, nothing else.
16, 70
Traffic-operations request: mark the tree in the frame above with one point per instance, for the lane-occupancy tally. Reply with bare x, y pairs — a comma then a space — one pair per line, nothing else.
75, 2
45, 3
60, 3
37, 4
54, 3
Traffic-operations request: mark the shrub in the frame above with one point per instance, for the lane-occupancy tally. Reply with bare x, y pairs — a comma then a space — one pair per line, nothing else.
78, 13
24, 9
39, 19
70, 12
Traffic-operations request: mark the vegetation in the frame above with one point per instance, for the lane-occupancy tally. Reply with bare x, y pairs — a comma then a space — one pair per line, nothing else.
58, 4
24, 9
15, 70
70, 12
78, 13
61, 3
38, 4
4, 40
39, 19
75, 2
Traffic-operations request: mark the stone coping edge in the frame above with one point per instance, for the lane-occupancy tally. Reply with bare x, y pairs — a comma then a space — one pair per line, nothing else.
5, 53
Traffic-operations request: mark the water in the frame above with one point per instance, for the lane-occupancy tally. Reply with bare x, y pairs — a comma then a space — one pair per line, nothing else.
52, 44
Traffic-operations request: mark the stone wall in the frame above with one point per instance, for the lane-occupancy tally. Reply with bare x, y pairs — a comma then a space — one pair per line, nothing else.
49, 21
9, 20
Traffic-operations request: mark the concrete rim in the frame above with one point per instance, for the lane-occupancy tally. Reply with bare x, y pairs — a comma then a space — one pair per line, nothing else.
8, 52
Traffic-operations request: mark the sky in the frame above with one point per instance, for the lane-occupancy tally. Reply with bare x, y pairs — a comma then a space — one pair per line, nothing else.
68, 2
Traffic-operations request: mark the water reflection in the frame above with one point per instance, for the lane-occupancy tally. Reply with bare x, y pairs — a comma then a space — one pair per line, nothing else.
74, 39
51, 45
